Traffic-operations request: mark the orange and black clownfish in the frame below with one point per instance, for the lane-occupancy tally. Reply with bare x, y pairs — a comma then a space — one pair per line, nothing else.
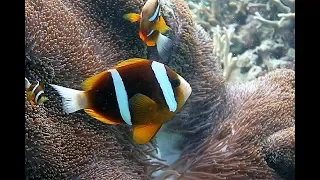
35, 93
152, 25
137, 92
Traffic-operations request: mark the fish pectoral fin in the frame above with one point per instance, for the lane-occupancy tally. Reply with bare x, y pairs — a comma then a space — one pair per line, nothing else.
160, 25
142, 108
103, 119
89, 82
144, 133
132, 17
130, 62
29, 95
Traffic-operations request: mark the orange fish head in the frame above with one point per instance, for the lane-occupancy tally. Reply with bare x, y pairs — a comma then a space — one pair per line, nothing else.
151, 10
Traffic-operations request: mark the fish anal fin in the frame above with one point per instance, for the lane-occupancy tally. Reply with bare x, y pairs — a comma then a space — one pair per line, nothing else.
142, 108
144, 133
130, 62
89, 82
99, 117
132, 17
160, 25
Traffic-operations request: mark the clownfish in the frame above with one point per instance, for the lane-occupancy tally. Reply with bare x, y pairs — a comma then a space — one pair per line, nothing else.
138, 92
152, 25
35, 93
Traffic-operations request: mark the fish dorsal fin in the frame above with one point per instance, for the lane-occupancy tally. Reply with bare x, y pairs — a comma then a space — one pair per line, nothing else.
130, 62
160, 25
144, 133
101, 118
89, 82
142, 108
132, 17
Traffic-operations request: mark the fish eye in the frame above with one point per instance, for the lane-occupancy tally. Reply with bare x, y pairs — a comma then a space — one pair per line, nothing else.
175, 82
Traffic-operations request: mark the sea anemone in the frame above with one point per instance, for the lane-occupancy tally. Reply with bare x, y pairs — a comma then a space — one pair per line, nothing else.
224, 130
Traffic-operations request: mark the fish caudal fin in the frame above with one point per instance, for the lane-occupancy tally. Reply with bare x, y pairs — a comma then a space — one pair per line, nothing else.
132, 17
144, 133
164, 46
72, 100
27, 83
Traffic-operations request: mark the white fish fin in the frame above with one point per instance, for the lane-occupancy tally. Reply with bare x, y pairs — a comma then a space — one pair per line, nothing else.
27, 83
72, 100
164, 46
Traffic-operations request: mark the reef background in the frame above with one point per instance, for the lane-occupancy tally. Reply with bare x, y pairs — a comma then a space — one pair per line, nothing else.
238, 130
251, 37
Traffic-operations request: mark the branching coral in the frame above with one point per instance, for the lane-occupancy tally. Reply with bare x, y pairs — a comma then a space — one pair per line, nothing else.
250, 25
233, 66
203, 13
228, 131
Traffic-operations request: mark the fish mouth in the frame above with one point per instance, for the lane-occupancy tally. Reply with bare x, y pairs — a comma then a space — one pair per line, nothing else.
186, 88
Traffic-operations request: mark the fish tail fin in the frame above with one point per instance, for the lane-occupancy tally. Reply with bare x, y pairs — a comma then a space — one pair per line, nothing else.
164, 46
132, 17
72, 100
27, 83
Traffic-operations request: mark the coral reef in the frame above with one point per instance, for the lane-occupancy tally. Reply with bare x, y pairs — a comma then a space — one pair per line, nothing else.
258, 34
228, 130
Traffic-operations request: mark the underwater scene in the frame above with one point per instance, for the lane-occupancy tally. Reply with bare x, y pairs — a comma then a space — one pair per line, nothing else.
160, 89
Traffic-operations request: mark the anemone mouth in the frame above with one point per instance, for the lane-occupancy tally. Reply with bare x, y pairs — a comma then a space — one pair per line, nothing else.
165, 152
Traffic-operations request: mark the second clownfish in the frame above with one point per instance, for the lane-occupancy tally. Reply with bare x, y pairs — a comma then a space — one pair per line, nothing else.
152, 25
35, 93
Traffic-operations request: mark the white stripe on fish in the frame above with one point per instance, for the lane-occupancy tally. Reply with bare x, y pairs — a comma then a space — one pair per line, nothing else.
165, 85
122, 97
155, 14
